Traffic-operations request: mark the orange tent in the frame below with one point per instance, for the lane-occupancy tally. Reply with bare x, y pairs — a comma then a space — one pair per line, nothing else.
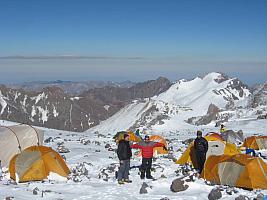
256, 142
35, 163
238, 170
160, 139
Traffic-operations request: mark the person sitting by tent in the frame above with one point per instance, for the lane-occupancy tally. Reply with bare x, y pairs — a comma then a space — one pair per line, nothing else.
222, 129
147, 153
124, 153
252, 152
201, 148
248, 151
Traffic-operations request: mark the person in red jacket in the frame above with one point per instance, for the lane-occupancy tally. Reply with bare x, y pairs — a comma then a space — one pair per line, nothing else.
147, 153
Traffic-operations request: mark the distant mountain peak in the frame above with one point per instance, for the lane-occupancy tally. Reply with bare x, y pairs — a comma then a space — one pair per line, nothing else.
218, 77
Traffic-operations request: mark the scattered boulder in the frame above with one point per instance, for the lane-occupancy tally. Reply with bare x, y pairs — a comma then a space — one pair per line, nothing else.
85, 142
111, 149
35, 191
111, 168
60, 143
143, 189
191, 178
80, 170
9, 198
97, 143
163, 176
178, 185
76, 179
101, 135
165, 198
262, 117
260, 197
185, 170
188, 141
106, 173
242, 197
171, 157
107, 146
48, 140
215, 194
62, 149
231, 190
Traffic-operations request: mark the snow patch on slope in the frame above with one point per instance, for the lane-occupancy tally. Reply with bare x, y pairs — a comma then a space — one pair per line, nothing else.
123, 119
39, 97
43, 113
3, 103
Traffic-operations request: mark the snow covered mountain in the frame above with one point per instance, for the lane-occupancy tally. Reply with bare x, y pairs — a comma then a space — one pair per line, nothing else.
53, 108
212, 99
259, 95
157, 104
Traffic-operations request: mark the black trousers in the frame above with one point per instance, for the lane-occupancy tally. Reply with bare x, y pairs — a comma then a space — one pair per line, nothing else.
146, 167
201, 158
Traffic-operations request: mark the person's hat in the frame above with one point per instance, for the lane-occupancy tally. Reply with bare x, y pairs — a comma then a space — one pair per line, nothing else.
199, 132
146, 137
125, 135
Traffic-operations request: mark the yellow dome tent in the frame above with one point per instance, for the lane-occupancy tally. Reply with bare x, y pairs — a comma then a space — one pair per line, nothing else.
35, 163
236, 170
132, 137
216, 147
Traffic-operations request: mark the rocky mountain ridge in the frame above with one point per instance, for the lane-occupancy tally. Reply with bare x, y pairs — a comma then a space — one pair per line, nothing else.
70, 87
214, 98
52, 107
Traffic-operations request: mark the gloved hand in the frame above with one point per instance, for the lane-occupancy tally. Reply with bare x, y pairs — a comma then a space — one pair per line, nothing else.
121, 161
164, 148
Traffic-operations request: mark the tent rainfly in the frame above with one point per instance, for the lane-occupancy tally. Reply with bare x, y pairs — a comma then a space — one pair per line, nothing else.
14, 139
36, 163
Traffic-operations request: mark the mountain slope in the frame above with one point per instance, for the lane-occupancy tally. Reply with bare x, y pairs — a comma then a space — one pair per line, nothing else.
199, 101
53, 108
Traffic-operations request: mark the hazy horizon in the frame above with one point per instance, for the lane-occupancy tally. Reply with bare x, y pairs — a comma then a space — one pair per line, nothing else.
120, 80
132, 40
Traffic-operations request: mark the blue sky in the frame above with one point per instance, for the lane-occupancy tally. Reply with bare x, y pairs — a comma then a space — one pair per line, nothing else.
132, 40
